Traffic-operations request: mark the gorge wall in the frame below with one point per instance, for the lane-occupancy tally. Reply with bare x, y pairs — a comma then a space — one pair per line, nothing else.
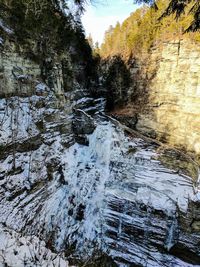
165, 94
75, 188
37, 97
174, 95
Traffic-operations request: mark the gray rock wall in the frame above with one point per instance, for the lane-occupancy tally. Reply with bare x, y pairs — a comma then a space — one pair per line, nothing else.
21, 76
17, 74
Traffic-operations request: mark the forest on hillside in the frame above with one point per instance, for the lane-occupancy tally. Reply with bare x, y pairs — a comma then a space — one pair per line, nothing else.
49, 24
146, 27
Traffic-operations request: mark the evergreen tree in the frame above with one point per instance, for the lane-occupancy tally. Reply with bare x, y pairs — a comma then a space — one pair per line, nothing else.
144, 28
90, 41
179, 7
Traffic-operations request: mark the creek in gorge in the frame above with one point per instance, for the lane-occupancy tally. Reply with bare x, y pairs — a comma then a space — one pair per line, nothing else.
81, 186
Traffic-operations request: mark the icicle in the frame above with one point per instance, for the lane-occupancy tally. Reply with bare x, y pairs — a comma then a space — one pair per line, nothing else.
172, 234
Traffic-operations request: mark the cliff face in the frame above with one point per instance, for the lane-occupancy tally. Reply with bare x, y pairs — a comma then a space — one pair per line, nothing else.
165, 94
32, 106
37, 98
174, 96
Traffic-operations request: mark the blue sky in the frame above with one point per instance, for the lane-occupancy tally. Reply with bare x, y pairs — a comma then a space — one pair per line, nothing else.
103, 13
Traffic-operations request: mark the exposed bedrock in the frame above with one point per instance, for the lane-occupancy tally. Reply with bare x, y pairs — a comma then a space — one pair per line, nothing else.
78, 188
163, 93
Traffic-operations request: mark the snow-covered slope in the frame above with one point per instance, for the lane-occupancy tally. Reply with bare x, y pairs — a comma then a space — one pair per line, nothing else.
110, 195
19, 251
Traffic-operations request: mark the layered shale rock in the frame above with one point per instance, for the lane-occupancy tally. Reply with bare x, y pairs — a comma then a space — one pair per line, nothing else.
112, 196
164, 94
75, 187
36, 110
173, 96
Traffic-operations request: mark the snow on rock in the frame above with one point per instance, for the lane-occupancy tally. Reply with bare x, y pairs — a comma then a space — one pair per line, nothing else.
5, 27
19, 251
109, 195
16, 118
1, 41
41, 88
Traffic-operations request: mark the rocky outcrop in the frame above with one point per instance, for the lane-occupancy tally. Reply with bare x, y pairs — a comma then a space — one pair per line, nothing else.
172, 106
22, 76
164, 94
18, 75
115, 80
37, 101
112, 196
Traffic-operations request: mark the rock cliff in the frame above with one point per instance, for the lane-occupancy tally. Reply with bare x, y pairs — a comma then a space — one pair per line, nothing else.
174, 96
37, 99
77, 187
164, 93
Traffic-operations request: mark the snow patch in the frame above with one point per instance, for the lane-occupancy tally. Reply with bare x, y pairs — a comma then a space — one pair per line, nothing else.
1, 41
5, 27
41, 87
20, 251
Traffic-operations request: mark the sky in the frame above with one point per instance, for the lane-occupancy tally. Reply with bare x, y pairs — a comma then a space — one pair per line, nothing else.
103, 13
